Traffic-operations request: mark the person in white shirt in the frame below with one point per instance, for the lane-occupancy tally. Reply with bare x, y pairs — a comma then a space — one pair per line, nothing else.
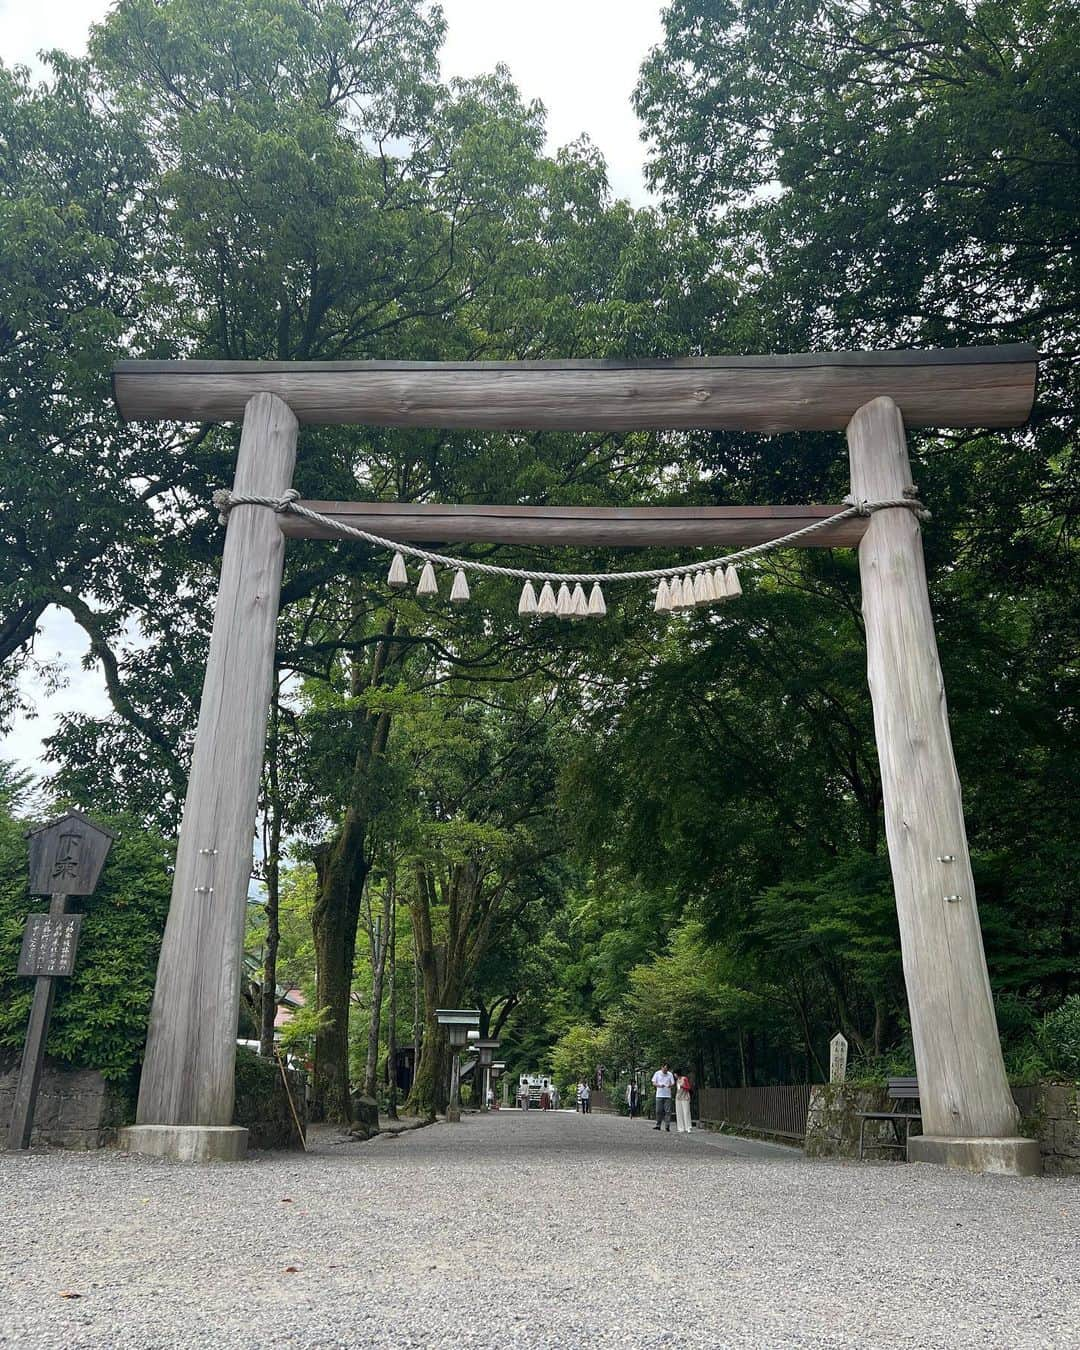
664, 1082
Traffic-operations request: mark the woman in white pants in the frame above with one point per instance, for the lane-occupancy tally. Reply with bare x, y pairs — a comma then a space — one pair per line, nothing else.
683, 1089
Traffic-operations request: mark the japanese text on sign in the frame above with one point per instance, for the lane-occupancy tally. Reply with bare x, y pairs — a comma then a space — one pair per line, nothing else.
49, 944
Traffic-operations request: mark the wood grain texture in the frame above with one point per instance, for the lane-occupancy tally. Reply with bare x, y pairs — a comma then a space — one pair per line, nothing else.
719, 527
966, 387
187, 1076
962, 1080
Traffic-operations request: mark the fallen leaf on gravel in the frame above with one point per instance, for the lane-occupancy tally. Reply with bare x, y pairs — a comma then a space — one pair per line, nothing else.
286, 1199
292, 1270
69, 1293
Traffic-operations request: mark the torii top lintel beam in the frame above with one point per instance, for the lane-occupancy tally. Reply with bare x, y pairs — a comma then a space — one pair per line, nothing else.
960, 387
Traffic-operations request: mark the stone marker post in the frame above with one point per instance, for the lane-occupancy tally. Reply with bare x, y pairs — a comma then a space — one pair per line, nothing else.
838, 1048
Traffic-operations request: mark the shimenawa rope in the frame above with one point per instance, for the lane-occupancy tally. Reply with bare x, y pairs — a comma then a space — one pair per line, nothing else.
288, 504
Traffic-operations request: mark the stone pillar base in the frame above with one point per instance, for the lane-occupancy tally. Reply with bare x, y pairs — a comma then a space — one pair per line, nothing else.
1014, 1157
187, 1143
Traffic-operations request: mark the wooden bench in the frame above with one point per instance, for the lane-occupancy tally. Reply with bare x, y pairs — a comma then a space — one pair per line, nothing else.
901, 1092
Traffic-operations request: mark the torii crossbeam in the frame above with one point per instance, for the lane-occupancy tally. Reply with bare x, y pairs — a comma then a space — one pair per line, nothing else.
186, 1093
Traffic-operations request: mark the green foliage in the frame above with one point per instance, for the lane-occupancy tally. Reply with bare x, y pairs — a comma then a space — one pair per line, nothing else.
100, 1014
298, 1034
1053, 1050
575, 1056
296, 949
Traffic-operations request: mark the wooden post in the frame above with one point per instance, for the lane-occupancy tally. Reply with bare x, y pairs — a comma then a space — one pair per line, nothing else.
453, 1109
187, 1077
966, 1104
21, 1126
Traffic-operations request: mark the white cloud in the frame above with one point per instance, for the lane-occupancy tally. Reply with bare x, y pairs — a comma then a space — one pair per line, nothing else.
580, 58
30, 26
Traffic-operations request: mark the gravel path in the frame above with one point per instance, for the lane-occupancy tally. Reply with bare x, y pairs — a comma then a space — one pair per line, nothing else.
533, 1231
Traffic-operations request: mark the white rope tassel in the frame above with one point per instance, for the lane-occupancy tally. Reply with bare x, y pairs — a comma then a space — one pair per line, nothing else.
702, 590
399, 575
564, 605
597, 607
732, 584
427, 585
716, 584
527, 603
546, 603
580, 603
459, 592
662, 603
686, 593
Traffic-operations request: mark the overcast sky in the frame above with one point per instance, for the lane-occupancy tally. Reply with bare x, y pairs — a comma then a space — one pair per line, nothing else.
580, 58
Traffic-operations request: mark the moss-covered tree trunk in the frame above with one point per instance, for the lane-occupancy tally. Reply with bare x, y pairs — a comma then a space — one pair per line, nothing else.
428, 1093
341, 869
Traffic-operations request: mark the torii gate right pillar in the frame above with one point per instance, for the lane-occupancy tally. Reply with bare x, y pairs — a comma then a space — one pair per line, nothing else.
968, 1114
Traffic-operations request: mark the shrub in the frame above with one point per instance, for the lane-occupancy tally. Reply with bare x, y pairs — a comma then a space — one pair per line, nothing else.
100, 1014
1057, 1039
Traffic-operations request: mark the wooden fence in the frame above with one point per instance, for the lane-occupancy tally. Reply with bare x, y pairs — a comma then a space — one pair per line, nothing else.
778, 1110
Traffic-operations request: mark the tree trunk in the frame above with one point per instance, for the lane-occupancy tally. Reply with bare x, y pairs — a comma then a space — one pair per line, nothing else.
273, 935
379, 948
391, 1028
340, 874
341, 870
417, 1025
272, 850
428, 1093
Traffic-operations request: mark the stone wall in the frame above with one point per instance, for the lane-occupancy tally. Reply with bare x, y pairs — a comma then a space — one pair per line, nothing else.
1049, 1112
832, 1123
76, 1108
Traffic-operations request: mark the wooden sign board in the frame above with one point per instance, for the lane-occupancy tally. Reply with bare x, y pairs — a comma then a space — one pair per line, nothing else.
67, 856
49, 944
838, 1048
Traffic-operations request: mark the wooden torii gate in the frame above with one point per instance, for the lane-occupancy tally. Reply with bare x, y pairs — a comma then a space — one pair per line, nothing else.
186, 1095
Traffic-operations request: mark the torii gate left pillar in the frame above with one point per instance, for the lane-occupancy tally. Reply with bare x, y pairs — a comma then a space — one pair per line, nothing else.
186, 1092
